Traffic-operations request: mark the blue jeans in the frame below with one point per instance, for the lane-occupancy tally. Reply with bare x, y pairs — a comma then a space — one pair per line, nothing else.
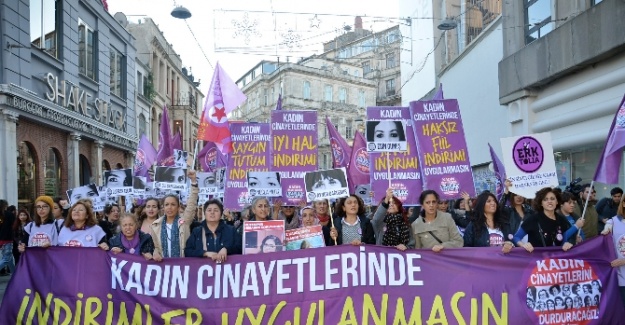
7, 257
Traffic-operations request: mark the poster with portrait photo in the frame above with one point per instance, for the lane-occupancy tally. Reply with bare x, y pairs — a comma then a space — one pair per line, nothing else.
220, 179
304, 237
118, 181
170, 178
326, 184
139, 184
207, 182
363, 191
264, 184
180, 158
89, 192
103, 199
386, 136
263, 236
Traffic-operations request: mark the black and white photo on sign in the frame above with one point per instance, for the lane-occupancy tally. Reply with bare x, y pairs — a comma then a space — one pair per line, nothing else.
180, 158
89, 191
220, 178
139, 182
104, 198
264, 184
172, 178
207, 182
363, 191
326, 184
386, 136
117, 178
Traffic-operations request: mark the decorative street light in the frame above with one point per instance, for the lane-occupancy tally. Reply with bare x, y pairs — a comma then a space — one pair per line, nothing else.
180, 12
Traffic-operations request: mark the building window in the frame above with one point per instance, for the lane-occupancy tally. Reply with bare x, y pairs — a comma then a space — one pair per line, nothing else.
390, 60
27, 174
117, 73
342, 95
328, 93
265, 97
537, 19
142, 125
361, 98
595, 2
140, 83
306, 89
325, 161
86, 50
348, 130
356, 73
366, 67
390, 87
52, 167
43, 26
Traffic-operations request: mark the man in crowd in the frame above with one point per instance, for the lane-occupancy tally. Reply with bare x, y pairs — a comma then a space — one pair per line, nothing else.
607, 206
591, 216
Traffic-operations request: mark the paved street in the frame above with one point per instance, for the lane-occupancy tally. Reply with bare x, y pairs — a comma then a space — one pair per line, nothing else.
4, 280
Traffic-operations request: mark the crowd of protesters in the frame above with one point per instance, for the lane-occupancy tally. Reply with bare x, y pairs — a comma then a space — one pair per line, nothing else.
164, 228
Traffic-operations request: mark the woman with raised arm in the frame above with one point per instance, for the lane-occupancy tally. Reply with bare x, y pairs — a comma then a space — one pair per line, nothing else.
390, 223
171, 231
546, 228
490, 227
517, 210
434, 229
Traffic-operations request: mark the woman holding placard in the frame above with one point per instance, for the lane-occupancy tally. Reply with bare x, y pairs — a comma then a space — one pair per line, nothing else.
390, 223
435, 229
350, 226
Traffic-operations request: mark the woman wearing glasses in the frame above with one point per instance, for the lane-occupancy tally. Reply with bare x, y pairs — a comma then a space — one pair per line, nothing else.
43, 231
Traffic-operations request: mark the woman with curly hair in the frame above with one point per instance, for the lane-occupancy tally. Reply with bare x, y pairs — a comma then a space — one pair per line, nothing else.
546, 227
490, 227
390, 223
351, 226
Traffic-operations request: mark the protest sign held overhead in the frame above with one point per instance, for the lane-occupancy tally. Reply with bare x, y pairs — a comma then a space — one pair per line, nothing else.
264, 184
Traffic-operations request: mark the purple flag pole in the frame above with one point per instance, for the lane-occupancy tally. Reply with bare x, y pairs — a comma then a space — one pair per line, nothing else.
340, 150
608, 167
165, 153
500, 171
279, 103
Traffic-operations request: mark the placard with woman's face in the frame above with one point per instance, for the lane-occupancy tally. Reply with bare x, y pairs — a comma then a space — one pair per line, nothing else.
386, 136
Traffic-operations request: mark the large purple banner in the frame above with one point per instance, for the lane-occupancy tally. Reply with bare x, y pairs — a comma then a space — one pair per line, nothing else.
333, 285
294, 151
442, 148
250, 143
402, 167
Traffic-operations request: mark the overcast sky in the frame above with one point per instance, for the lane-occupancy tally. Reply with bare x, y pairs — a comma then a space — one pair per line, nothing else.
240, 33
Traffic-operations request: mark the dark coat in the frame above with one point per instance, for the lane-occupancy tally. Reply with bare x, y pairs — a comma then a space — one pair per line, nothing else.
483, 240
367, 237
146, 245
225, 237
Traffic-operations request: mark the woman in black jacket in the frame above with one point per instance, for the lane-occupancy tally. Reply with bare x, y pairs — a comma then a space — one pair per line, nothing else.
490, 227
214, 238
351, 226
131, 240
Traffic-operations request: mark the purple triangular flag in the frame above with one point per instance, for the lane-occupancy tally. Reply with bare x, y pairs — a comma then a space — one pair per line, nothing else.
500, 171
609, 164
439, 93
145, 157
165, 152
341, 151
359, 165
279, 103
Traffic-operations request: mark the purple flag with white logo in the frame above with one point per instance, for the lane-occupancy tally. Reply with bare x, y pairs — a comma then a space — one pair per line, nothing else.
400, 169
359, 169
208, 157
500, 171
294, 151
145, 157
251, 148
341, 151
165, 152
610, 162
442, 148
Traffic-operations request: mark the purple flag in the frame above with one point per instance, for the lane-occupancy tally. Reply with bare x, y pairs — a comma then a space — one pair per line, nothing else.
341, 152
176, 142
165, 153
500, 171
359, 169
610, 162
208, 157
439, 93
279, 103
403, 167
145, 157
294, 151
222, 98
442, 148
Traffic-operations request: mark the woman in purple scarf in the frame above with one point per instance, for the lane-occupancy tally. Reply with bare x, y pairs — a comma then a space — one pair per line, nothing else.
131, 240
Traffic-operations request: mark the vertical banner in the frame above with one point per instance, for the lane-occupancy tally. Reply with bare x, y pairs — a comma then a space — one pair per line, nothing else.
529, 163
359, 169
442, 147
402, 167
250, 142
294, 151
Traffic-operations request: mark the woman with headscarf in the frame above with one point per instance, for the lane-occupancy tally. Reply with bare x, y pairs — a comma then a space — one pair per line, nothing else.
81, 229
434, 229
171, 231
390, 223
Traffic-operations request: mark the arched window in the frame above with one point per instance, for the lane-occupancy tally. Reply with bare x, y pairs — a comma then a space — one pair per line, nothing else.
85, 171
52, 169
106, 165
27, 174
142, 125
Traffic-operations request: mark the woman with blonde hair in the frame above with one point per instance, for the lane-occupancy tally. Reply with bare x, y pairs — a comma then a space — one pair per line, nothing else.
81, 227
131, 240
